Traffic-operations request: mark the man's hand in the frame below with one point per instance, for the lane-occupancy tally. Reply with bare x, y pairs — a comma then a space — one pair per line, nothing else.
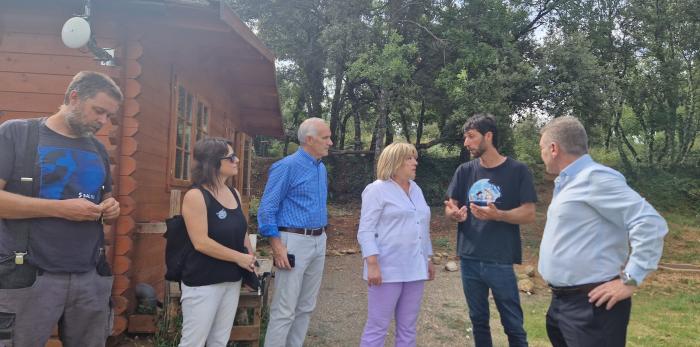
79, 210
374, 274
110, 209
455, 213
488, 212
431, 271
279, 254
611, 292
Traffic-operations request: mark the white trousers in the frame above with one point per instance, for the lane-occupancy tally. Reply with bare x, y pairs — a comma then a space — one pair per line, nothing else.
208, 313
296, 290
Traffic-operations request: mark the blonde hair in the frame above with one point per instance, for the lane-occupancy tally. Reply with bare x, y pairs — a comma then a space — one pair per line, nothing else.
392, 157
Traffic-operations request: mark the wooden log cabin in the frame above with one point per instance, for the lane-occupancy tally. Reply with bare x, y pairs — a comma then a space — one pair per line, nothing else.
188, 68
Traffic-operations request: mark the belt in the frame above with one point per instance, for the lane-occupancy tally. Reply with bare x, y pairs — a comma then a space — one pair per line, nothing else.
304, 231
579, 289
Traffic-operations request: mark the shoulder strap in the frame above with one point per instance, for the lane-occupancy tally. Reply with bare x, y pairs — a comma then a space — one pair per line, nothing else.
207, 197
25, 177
235, 195
28, 185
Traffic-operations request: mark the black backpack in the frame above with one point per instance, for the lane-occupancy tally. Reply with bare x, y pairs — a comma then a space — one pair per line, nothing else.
178, 245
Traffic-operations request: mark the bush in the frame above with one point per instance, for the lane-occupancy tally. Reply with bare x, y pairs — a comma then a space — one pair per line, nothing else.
676, 189
434, 175
348, 176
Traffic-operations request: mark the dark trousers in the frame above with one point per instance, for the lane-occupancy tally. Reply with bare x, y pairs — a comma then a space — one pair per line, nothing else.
574, 322
477, 278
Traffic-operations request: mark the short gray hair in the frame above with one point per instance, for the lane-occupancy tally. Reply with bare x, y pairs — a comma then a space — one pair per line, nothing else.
569, 133
309, 128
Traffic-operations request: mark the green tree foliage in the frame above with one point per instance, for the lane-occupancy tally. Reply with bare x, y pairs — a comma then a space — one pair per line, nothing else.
382, 70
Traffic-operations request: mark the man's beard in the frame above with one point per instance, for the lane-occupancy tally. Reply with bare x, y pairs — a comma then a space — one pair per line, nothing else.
479, 151
75, 122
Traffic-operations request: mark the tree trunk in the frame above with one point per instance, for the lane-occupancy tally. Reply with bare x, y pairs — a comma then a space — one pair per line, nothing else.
421, 120
381, 126
286, 146
389, 131
343, 126
301, 100
623, 137
404, 126
337, 104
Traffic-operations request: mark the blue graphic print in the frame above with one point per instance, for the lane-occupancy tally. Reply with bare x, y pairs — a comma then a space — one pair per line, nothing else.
68, 173
484, 192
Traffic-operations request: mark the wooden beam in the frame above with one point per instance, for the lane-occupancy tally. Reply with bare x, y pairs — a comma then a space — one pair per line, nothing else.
175, 202
227, 15
58, 65
151, 228
30, 102
33, 83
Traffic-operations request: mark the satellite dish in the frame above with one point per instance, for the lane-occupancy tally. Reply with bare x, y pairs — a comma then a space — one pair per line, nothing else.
76, 32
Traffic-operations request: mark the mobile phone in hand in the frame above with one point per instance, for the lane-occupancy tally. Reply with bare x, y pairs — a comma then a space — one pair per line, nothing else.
290, 258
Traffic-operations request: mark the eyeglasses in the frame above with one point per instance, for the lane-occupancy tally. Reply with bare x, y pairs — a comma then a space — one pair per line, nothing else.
231, 158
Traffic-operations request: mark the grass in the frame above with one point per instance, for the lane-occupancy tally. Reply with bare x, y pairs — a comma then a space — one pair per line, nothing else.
665, 320
442, 243
658, 319
683, 240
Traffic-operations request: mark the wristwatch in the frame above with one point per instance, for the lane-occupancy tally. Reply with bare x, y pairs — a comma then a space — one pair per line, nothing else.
627, 279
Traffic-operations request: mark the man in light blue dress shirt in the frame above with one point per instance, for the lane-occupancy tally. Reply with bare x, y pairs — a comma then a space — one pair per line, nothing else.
294, 216
600, 241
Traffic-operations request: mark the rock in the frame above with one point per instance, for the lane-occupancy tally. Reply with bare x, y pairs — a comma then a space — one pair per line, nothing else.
350, 251
437, 259
333, 252
526, 286
451, 266
529, 270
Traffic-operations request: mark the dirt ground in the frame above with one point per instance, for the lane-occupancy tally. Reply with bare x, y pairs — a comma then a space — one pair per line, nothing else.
342, 309
342, 305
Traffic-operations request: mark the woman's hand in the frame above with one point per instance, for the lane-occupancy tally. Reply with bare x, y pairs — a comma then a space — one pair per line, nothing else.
431, 271
374, 274
246, 261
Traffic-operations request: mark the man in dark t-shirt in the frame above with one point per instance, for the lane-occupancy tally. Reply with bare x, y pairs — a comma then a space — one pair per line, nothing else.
69, 283
490, 197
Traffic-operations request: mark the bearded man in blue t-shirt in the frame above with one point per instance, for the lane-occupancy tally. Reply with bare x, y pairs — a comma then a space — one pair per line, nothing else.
490, 197
55, 194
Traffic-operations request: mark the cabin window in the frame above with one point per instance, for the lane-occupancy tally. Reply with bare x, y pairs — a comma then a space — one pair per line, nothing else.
192, 124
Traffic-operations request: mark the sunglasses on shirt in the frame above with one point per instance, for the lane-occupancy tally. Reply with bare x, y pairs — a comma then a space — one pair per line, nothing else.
230, 158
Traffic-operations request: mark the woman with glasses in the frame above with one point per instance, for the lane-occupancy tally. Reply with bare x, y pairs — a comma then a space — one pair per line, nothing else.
394, 234
211, 279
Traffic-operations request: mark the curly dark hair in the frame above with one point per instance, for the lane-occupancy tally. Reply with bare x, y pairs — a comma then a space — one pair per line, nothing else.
208, 153
483, 123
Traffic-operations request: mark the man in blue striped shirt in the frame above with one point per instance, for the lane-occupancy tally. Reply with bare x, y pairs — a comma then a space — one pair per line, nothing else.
293, 215
592, 222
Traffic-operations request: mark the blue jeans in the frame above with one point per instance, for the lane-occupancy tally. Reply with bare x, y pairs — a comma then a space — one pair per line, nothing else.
477, 278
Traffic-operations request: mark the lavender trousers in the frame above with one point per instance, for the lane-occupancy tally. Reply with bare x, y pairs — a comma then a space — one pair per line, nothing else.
399, 300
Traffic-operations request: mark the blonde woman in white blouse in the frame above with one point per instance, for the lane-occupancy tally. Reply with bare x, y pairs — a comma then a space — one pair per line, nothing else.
394, 234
